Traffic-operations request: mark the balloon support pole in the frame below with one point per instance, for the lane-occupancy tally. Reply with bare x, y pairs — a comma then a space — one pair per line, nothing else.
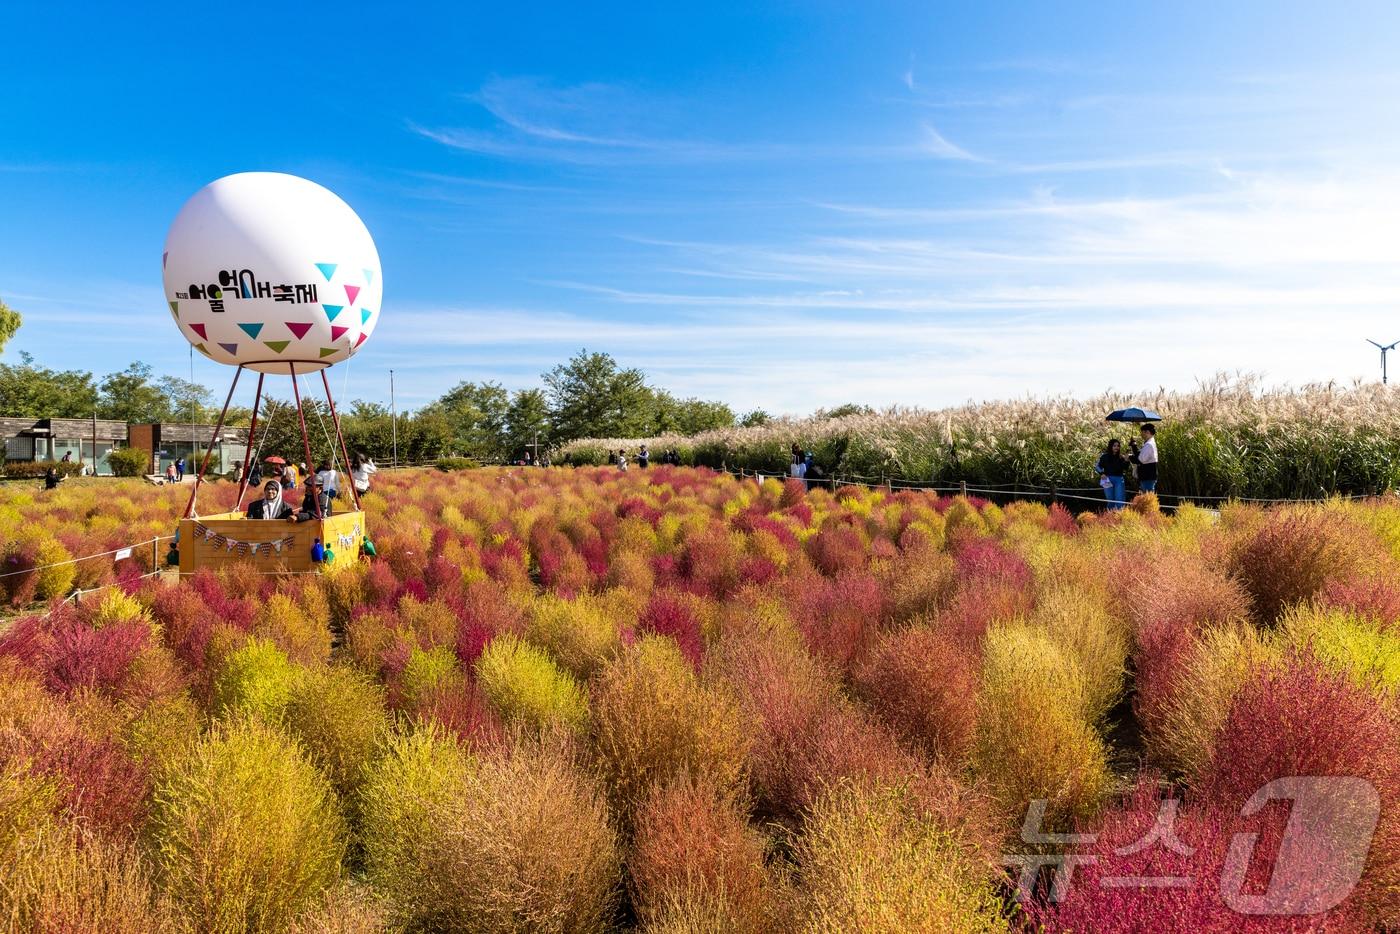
343, 451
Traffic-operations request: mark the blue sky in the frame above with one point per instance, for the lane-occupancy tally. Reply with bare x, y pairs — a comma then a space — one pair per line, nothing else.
781, 206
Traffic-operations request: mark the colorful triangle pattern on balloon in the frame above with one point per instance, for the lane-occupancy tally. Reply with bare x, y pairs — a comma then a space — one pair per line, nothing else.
336, 332
369, 276
327, 351
251, 329
199, 329
365, 315
231, 348
277, 346
332, 311
299, 328
202, 349
175, 309
164, 258
361, 339
351, 291
327, 270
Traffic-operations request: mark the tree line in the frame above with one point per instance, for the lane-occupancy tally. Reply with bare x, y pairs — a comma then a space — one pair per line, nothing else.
589, 396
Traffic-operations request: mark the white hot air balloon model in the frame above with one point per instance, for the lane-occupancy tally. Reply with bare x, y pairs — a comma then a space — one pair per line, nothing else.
276, 274
271, 272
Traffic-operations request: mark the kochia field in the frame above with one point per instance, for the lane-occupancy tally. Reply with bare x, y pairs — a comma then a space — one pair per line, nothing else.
671, 700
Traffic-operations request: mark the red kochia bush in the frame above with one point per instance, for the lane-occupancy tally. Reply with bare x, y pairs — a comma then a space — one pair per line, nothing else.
1122, 848
924, 686
1301, 719
976, 605
692, 847
1377, 599
1293, 554
98, 783
837, 616
837, 548
668, 614
186, 622
81, 656
983, 559
1182, 598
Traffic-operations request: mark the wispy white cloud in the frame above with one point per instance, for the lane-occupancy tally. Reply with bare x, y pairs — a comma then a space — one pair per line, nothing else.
936, 144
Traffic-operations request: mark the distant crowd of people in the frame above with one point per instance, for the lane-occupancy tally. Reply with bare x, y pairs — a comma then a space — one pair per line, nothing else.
620, 458
1113, 468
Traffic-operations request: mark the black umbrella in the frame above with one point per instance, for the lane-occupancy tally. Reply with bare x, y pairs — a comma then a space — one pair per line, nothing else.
1133, 414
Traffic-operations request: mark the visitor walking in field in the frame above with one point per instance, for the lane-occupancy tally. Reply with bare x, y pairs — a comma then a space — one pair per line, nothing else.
1111, 468
1146, 459
643, 457
170, 473
622, 459
180, 470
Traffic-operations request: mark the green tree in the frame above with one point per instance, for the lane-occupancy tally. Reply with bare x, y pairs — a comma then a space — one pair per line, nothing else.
130, 396
592, 397
841, 411
697, 415
186, 401
9, 323
755, 419
476, 414
27, 390
527, 421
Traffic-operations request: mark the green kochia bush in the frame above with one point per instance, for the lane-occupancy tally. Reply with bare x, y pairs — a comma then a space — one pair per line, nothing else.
246, 832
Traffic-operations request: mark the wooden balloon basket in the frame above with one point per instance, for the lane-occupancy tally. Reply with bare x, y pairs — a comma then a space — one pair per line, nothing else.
273, 547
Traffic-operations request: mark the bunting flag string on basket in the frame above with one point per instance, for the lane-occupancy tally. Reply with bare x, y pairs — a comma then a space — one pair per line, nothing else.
242, 547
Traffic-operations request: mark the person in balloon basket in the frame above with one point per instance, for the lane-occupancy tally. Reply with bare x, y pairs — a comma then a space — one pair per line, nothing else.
314, 493
1145, 458
271, 505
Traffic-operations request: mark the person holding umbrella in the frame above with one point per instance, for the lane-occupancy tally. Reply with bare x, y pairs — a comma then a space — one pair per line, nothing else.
1146, 458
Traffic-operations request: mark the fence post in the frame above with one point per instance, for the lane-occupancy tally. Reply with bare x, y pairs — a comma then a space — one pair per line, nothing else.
1054, 493
962, 488
155, 554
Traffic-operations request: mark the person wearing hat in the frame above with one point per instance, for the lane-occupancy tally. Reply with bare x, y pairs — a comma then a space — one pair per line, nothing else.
316, 504
271, 505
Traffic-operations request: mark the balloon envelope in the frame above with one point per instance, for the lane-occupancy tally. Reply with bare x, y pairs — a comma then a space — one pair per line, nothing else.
268, 271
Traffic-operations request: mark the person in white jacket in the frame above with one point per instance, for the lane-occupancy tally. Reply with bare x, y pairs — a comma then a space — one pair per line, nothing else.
1146, 459
361, 469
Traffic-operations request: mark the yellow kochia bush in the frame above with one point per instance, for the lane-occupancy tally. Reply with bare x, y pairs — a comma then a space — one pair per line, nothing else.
518, 839
1365, 650
871, 860
525, 686
338, 716
582, 633
1034, 736
654, 719
246, 832
256, 678
400, 800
